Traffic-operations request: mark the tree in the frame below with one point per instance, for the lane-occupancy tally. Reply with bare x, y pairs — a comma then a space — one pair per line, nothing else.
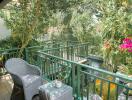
27, 18
114, 22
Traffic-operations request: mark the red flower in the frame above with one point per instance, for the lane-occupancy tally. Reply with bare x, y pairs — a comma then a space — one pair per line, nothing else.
127, 44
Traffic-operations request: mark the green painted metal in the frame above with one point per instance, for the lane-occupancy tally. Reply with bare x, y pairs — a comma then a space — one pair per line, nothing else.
31, 52
117, 90
73, 77
9, 53
59, 60
126, 78
77, 71
78, 80
94, 86
73, 52
101, 88
108, 94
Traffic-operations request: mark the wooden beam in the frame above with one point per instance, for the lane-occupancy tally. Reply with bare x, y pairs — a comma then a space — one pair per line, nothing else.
82, 61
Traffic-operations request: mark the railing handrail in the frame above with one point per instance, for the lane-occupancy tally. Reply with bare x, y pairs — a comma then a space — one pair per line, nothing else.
7, 50
46, 42
107, 80
62, 47
90, 67
51, 43
73, 62
38, 46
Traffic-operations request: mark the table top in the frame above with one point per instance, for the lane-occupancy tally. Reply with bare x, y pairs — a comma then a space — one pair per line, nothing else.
52, 90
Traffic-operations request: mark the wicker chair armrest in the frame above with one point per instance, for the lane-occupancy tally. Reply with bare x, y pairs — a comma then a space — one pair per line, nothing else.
34, 69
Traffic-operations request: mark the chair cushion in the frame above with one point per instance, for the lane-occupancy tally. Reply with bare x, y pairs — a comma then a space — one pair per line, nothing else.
30, 79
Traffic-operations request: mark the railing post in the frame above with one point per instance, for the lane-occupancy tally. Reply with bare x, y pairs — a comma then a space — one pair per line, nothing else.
67, 51
26, 54
73, 77
86, 49
78, 82
72, 53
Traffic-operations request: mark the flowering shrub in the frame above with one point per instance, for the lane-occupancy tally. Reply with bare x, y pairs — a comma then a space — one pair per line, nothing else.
127, 44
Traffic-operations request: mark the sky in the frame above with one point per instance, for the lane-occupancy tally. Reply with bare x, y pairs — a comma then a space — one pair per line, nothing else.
4, 31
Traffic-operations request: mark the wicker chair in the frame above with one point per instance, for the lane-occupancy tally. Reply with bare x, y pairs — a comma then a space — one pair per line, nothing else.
24, 75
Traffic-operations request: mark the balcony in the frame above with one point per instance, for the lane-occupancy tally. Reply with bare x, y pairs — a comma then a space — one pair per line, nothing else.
69, 63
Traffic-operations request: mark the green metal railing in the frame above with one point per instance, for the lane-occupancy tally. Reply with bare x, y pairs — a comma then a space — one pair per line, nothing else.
62, 63
9, 53
85, 80
5, 55
74, 52
59, 60
31, 52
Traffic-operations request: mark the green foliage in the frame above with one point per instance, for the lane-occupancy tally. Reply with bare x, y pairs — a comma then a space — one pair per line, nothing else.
84, 24
114, 24
27, 18
15, 43
101, 22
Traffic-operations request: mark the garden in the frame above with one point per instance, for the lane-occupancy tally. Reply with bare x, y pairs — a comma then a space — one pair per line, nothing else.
86, 44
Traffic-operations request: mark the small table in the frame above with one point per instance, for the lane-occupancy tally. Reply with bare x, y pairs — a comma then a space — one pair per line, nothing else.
49, 91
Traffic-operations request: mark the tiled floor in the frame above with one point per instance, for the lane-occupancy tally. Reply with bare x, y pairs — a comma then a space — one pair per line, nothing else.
6, 86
